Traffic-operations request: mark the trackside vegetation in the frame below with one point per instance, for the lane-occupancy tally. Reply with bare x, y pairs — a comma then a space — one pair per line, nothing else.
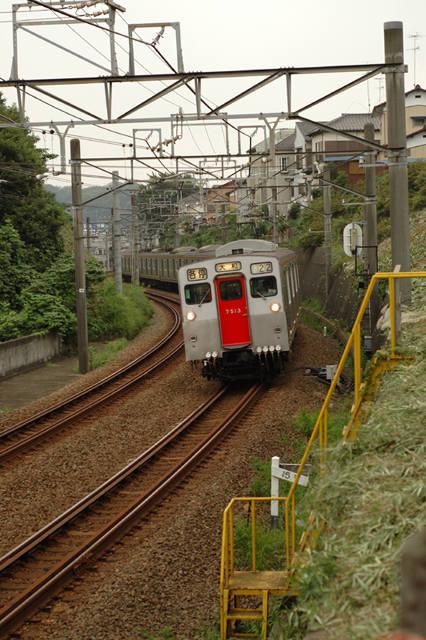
37, 281
372, 498
37, 302
304, 221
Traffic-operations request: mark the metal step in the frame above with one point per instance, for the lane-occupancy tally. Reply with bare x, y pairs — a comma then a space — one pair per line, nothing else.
244, 614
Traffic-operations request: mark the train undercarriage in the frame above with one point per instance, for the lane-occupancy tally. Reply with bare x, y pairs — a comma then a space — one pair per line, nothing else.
244, 364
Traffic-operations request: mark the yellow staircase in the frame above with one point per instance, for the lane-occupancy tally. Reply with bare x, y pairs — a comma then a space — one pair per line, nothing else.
234, 585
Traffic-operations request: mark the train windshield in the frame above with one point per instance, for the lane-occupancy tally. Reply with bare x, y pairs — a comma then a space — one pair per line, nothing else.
263, 287
198, 293
230, 290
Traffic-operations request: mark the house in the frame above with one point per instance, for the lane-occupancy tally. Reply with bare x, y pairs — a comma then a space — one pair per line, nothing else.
266, 175
415, 123
415, 113
344, 152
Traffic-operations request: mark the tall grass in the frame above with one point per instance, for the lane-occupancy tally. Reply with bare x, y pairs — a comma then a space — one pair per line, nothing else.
111, 315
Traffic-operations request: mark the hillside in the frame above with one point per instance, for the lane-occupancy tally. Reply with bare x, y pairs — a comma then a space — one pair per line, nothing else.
99, 210
373, 496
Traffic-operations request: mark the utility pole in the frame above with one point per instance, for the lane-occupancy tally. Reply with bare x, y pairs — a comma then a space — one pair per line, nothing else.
223, 226
327, 232
135, 262
178, 206
80, 275
88, 233
117, 234
274, 191
370, 222
397, 153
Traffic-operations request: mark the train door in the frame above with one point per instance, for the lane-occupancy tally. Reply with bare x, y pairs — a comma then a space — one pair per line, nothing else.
233, 317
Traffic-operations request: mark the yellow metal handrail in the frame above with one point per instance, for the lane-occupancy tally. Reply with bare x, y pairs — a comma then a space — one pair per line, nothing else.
321, 424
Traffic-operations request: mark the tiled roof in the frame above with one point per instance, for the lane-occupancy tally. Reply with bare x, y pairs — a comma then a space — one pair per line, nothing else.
352, 122
410, 135
287, 143
306, 127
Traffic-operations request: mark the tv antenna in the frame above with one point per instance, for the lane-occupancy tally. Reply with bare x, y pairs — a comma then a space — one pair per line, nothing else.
415, 36
380, 83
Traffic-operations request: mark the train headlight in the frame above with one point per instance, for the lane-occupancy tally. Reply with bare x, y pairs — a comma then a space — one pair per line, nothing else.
258, 349
278, 347
190, 315
208, 354
275, 306
265, 349
214, 354
271, 348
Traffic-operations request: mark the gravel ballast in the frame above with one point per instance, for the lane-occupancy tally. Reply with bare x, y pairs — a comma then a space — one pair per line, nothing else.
166, 574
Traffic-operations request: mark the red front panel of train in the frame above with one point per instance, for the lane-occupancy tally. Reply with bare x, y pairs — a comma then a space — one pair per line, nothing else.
233, 317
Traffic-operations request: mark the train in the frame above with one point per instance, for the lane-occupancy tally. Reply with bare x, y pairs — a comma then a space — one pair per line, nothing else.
240, 304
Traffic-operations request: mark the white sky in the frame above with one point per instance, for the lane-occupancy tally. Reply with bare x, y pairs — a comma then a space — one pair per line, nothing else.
221, 35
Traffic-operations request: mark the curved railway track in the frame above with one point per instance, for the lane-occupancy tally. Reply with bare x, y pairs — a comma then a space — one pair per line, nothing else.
31, 432
39, 567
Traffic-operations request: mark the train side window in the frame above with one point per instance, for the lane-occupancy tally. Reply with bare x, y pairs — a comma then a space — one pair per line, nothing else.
288, 286
230, 290
198, 293
297, 277
293, 282
263, 287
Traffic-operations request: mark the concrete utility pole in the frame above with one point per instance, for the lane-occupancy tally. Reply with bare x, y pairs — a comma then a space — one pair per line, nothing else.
117, 234
223, 226
80, 275
370, 220
135, 267
327, 232
274, 191
88, 233
397, 153
178, 207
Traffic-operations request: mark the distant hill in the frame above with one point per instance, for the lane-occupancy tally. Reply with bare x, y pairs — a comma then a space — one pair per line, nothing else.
97, 211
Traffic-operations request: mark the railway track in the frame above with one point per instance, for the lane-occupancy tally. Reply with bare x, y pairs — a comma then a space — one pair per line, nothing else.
31, 432
35, 570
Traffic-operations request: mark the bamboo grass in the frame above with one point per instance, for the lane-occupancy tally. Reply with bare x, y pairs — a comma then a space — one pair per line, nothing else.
372, 499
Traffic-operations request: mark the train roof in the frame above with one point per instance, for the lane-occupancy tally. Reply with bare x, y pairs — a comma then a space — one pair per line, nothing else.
238, 247
245, 246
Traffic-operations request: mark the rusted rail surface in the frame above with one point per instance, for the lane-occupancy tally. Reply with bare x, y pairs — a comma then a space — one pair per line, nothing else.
32, 431
31, 573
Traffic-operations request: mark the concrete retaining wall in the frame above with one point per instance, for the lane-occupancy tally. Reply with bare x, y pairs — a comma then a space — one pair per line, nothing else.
26, 353
343, 301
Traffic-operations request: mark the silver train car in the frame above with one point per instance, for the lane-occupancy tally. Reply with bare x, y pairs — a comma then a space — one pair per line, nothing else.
240, 309
240, 303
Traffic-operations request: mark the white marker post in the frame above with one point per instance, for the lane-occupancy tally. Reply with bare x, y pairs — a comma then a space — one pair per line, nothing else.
286, 472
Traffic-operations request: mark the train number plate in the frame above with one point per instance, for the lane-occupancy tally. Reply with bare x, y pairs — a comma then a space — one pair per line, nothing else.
261, 267
228, 266
197, 274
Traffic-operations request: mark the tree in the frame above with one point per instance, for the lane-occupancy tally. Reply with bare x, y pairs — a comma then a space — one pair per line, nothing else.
16, 274
34, 212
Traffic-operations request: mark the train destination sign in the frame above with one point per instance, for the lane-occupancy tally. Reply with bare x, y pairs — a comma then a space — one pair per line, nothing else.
197, 274
261, 267
228, 266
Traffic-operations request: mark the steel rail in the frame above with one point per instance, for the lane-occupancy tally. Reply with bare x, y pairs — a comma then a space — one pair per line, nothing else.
30, 600
20, 447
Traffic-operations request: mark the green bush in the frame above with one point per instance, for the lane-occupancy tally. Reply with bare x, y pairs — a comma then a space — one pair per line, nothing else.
110, 315
309, 240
